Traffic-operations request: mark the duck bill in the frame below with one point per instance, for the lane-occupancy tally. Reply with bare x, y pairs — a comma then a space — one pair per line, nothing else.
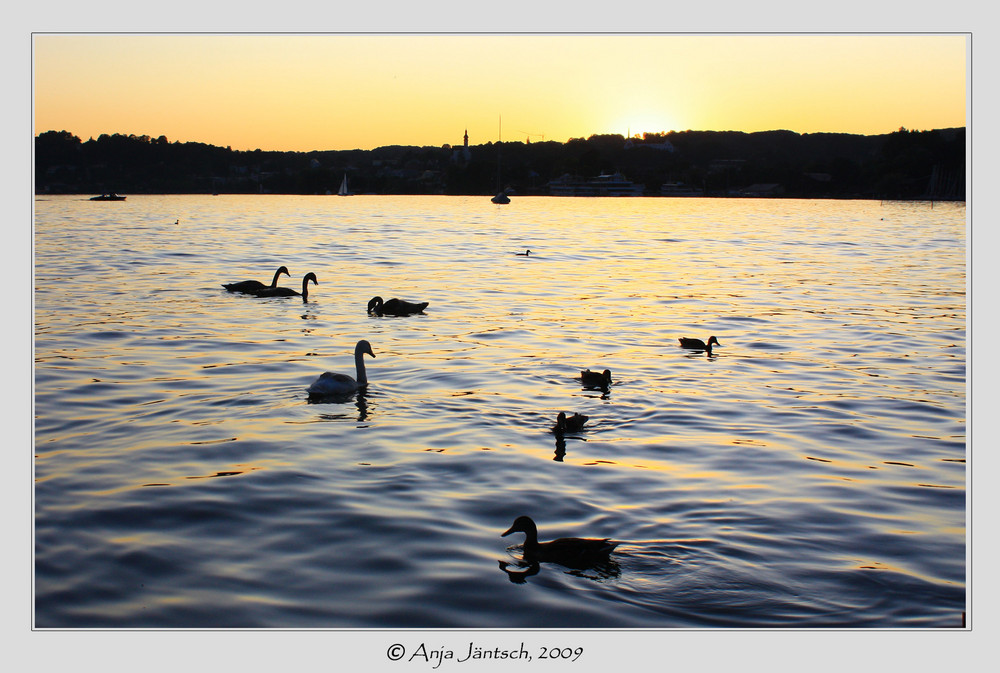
507, 532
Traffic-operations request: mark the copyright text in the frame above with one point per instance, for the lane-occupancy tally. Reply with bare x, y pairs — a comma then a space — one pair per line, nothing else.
435, 656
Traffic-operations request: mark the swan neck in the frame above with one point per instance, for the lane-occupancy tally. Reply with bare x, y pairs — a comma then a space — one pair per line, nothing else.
359, 364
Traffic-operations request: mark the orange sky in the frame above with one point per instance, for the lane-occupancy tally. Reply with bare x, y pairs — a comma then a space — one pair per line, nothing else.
322, 92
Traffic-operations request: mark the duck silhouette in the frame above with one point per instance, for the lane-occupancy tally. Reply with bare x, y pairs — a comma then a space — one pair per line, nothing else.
288, 292
566, 423
596, 379
572, 552
397, 307
253, 286
698, 344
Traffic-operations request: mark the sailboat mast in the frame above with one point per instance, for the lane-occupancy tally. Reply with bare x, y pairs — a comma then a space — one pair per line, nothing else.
499, 143
500, 197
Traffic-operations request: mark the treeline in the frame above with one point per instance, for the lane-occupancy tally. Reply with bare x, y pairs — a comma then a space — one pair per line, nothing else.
901, 165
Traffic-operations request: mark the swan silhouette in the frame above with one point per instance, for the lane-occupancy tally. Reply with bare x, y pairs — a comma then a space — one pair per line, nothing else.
330, 384
286, 292
253, 286
395, 306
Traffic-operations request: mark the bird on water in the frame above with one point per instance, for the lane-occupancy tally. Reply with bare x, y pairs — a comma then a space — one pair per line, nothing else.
331, 384
566, 423
253, 286
568, 551
287, 292
698, 344
596, 379
397, 307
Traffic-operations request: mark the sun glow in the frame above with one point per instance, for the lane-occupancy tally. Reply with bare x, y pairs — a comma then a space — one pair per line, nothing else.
289, 93
636, 125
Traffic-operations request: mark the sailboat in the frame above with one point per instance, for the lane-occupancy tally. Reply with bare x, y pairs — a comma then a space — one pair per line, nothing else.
501, 197
343, 187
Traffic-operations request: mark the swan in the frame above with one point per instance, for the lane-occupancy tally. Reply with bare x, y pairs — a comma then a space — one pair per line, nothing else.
285, 292
698, 344
572, 423
564, 550
252, 286
599, 379
341, 384
395, 307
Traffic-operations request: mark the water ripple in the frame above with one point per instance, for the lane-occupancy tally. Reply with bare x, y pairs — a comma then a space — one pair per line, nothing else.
810, 472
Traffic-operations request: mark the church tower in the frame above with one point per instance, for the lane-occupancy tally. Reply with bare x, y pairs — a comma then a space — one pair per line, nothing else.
461, 157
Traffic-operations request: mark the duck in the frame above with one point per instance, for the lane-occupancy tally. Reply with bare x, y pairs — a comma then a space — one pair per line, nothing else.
252, 286
286, 292
566, 423
330, 384
601, 379
698, 344
568, 551
526, 253
395, 306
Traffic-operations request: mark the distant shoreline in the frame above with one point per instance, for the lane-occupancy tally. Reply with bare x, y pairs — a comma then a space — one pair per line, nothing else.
903, 165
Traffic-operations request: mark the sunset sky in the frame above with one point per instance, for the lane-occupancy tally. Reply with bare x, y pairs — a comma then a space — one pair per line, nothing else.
330, 92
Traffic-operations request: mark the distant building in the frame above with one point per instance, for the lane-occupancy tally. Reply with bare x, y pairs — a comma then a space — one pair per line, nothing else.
665, 146
679, 189
461, 157
614, 184
763, 189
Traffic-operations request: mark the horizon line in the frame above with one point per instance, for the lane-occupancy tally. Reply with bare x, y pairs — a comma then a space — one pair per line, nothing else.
507, 142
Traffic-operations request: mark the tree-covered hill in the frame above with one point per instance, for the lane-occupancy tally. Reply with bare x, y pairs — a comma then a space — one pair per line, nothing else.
900, 165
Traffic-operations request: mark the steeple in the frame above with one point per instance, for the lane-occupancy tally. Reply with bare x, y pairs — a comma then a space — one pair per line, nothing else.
466, 137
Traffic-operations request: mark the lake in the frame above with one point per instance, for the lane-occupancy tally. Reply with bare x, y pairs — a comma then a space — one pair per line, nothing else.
809, 472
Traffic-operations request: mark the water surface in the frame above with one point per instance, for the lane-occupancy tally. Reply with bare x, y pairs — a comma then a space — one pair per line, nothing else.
809, 473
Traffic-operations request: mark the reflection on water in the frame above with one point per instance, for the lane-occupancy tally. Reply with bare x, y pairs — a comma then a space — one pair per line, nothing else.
359, 400
809, 471
525, 569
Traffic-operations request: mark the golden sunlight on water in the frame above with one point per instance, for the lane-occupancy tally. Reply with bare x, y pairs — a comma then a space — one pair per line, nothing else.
807, 472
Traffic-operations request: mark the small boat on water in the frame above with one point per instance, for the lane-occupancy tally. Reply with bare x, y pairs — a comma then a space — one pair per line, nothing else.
343, 187
108, 197
501, 196
606, 184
